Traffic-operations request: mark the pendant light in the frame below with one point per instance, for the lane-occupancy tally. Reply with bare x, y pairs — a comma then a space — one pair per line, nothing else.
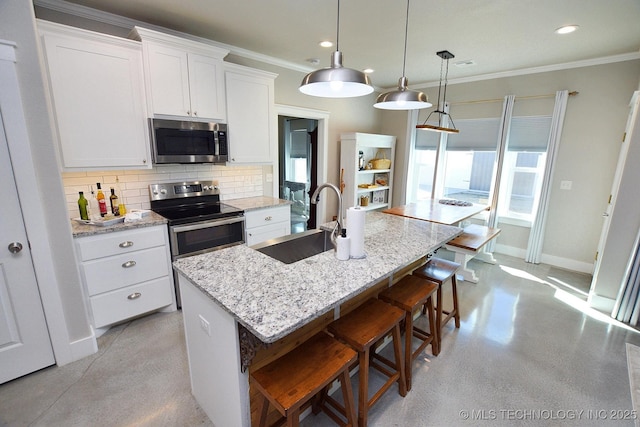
445, 55
336, 81
403, 98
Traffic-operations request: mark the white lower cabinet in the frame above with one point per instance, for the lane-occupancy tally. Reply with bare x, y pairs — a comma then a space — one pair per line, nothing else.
126, 273
267, 223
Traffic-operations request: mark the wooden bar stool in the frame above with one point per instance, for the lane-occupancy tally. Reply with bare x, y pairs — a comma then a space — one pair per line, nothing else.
413, 293
306, 371
440, 271
361, 329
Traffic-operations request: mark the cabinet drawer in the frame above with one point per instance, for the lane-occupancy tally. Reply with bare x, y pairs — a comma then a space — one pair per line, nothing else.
107, 274
260, 234
261, 217
131, 301
120, 242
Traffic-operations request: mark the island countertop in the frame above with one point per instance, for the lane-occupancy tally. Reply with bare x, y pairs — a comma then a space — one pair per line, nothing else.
272, 299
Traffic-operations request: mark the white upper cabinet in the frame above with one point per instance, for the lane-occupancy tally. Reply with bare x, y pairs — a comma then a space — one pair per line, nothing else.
97, 93
250, 115
184, 78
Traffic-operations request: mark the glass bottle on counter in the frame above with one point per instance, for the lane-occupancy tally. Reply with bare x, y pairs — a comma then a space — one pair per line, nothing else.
82, 206
113, 199
102, 203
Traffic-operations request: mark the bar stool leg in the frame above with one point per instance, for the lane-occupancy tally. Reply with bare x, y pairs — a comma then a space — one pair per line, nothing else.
263, 409
408, 351
363, 394
454, 288
434, 325
402, 381
347, 393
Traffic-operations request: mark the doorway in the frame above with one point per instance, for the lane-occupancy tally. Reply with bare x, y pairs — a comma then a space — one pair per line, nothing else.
298, 167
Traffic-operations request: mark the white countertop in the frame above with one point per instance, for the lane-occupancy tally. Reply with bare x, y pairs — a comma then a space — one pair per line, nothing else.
272, 299
253, 203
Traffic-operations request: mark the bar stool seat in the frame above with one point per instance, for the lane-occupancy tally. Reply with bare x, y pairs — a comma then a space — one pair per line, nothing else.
362, 328
409, 294
300, 375
440, 271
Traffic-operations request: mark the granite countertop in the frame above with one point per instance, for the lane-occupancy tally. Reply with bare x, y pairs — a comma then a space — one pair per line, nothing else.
149, 220
273, 299
254, 203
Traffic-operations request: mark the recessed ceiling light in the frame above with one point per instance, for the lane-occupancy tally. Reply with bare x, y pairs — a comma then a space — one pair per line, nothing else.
466, 63
326, 43
368, 70
566, 29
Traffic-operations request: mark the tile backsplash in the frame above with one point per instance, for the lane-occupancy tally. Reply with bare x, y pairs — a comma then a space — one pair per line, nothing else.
133, 185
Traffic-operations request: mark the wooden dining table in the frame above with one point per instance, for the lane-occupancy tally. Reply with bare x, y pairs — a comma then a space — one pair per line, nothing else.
448, 214
434, 211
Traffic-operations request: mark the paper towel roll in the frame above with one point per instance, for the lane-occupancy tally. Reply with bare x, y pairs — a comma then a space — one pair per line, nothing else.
343, 248
355, 228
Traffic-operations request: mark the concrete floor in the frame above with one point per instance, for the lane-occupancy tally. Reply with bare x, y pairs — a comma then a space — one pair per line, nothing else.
527, 353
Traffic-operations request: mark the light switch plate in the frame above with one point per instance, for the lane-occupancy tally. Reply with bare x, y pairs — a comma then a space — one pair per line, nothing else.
204, 325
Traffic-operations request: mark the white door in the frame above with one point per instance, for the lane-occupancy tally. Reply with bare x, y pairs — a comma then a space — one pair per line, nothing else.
606, 216
24, 338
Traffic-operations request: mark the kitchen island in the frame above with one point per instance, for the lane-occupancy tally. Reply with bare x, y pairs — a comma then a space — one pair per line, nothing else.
237, 300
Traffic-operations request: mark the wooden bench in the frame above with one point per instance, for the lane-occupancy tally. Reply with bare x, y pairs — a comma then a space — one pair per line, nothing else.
470, 244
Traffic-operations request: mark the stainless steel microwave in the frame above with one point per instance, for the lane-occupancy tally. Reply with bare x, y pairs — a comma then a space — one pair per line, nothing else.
175, 141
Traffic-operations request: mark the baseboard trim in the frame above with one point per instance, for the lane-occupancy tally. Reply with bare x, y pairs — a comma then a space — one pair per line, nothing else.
565, 263
600, 303
82, 348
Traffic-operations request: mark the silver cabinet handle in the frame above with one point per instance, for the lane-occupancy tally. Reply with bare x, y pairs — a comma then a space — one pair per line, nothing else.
128, 264
195, 113
126, 244
134, 295
14, 247
605, 214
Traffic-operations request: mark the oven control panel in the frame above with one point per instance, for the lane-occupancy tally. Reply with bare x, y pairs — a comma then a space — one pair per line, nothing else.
174, 190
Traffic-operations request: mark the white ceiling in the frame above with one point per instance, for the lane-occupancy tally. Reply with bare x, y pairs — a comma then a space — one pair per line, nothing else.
498, 35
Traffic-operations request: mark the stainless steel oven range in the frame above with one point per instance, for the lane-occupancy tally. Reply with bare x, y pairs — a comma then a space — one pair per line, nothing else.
198, 222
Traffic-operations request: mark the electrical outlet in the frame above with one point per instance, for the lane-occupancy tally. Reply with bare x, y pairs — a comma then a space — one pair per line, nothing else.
204, 325
566, 185
269, 177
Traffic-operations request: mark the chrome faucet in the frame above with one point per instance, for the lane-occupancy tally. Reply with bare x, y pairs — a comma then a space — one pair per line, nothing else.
315, 198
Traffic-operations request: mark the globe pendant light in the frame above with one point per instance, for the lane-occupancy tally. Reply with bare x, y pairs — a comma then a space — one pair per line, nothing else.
445, 55
403, 98
336, 81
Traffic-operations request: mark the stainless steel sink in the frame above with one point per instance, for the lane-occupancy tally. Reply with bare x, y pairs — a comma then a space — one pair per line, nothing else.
296, 247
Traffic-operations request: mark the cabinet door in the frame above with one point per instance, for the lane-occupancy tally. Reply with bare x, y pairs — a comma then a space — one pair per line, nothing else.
206, 83
249, 109
260, 234
168, 74
98, 98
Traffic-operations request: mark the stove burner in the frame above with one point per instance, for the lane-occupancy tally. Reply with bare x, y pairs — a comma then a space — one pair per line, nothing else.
187, 202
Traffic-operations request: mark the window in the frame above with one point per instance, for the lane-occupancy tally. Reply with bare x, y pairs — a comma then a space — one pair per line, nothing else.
523, 167
469, 160
424, 161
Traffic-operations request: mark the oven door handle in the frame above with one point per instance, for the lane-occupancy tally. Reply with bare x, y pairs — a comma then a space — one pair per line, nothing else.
206, 224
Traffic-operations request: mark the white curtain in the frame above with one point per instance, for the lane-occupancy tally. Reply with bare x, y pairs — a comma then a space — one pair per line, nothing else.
501, 148
536, 238
627, 307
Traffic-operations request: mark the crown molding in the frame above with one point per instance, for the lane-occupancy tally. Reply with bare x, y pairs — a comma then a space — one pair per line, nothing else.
128, 24
632, 56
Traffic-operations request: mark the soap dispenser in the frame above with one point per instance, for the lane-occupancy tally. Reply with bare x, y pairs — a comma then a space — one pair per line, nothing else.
343, 246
